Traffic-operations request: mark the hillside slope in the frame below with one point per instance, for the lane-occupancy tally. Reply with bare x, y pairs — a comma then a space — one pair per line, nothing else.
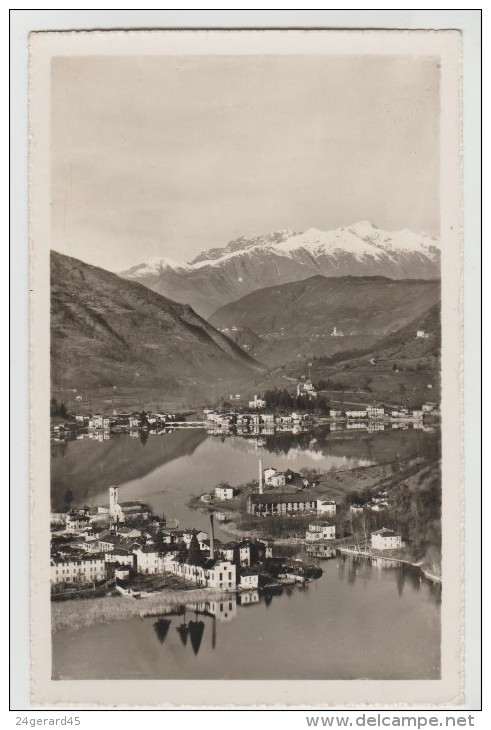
303, 317
107, 332
400, 369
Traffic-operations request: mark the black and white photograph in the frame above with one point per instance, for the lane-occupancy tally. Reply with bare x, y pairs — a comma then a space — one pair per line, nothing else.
249, 256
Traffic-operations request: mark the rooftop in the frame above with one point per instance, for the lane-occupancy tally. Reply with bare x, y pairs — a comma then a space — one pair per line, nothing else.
275, 498
385, 532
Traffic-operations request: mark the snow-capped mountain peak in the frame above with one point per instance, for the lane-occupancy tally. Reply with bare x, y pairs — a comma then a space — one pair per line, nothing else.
221, 275
154, 267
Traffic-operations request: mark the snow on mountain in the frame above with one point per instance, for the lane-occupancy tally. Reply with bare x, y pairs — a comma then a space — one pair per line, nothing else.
246, 264
239, 245
154, 267
360, 240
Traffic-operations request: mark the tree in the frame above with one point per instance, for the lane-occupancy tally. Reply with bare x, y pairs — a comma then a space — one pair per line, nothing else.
62, 410
68, 498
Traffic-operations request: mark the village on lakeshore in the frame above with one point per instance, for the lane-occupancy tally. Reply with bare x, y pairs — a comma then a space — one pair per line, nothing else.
255, 415
122, 548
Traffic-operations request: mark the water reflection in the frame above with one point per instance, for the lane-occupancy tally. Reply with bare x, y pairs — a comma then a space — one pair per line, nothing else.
213, 613
392, 612
89, 466
161, 627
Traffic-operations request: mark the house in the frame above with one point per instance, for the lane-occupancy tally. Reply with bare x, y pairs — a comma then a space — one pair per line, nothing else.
248, 580
119, 555
95, 421
306, 387
129, 533
274, 478
148, 560
356, 509
209, 572
136, 510
257, 403
272, 503
421, 334
428, 407
375, 412
99, 422
335, 413
321, 531
82, 569
91, 546
187, 536
356, 414
134, 421
224, 492
76, 522
122, 573
386, 539
377, 506
326, 507
418, 415
206, 498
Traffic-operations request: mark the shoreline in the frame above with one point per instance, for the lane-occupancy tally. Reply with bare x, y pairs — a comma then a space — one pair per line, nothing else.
89, 611
401, 561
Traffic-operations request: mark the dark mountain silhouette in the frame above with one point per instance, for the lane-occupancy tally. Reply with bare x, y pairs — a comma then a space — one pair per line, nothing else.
107, 332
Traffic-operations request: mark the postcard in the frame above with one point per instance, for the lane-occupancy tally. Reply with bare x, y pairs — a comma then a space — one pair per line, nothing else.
246, 325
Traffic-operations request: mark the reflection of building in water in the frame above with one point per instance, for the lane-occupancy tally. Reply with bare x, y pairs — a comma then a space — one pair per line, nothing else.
335, 426
249, 598
384, 563
224, 610
321, 551
374, 426
161, 627
196, 631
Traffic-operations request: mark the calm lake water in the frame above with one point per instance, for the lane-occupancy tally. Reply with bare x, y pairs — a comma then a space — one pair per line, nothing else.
359, 620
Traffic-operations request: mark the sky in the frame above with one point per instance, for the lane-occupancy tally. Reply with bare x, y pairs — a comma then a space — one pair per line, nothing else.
169, 156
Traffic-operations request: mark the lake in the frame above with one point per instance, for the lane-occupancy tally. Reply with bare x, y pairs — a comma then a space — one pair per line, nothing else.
359, 620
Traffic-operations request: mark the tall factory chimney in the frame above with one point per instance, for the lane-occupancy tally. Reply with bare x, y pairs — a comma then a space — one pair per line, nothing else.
260, 476
212, 538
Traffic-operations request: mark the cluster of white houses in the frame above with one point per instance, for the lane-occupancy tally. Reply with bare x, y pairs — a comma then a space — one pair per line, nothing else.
256, 421
258, 418
99, 422
83, 551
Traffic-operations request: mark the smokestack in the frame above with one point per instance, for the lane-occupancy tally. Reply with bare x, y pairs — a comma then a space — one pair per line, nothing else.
212, 538
260, 476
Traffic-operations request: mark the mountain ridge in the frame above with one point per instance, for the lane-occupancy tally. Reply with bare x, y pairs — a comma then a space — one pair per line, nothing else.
248, 263
133, 335
324, 315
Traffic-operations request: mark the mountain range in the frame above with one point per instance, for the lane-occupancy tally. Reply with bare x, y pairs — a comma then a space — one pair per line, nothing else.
222, 275
107, 332
322, 316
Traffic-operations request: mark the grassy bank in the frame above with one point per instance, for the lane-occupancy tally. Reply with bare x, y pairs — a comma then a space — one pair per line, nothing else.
79, 614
